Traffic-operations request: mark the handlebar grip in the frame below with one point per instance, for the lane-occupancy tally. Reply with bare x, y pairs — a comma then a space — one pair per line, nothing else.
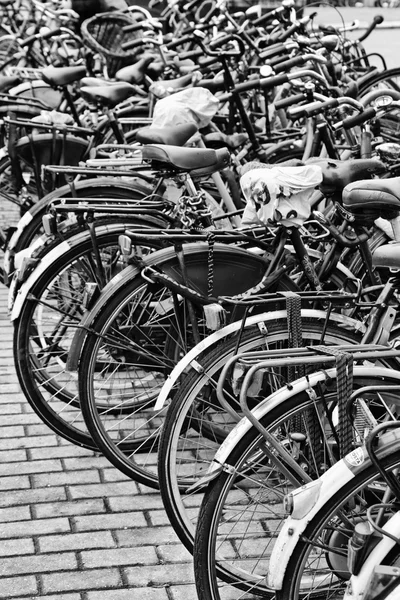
267, 17
179, 42
271, 82
136, 26
286, 65
132, 44
286, 102
273, 50
37, 36
377, 20
289, 32
190, 54
366, 115
312, 109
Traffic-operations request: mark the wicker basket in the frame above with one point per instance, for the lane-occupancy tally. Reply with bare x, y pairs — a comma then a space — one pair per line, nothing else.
104, 35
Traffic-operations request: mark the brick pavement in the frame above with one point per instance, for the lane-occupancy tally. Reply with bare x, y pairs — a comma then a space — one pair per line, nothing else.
72, 527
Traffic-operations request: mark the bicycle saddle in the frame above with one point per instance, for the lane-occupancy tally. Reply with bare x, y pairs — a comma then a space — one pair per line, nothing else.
214, 85
62, 75
177, 135
135, 73
174, 84
109, 95
197, 161
337, 173
387, 256
94, 81
376, 194
7, 83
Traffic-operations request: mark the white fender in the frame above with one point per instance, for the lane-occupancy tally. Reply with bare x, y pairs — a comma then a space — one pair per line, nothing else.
190, 357
357, 586
34, 276
22, 223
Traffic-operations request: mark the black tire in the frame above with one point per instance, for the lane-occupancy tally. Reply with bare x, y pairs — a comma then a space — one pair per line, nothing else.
243, 507
47, 322
143, 314
190, 435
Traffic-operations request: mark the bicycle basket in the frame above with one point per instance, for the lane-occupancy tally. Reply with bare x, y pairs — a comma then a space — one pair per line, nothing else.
104, 35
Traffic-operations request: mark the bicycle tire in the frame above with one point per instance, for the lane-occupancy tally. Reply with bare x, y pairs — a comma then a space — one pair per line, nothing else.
161, 339
183, 447
224, 507
41, 339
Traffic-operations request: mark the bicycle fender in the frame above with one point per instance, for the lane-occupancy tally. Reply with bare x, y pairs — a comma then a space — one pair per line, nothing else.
190, 358
34, 276
357, 586
64, 192
309, 499
159, 258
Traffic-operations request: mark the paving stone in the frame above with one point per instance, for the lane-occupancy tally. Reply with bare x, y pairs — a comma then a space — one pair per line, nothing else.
110, 521
32, 496
138, 502
173, 553
12, 587
105, 489
60, 452
119, 556
16, 513
159, 575
12, 431
146, 593
81, 580
86, 462
76, 541
65, 478
10, 456
27, 467
18, 547
77, 507
37, 527
143, 537
14, 483
37, 564
182, 592
10, 409
28, 442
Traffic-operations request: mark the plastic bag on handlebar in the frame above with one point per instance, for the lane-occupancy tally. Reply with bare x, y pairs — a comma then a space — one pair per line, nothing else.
279, 194
193, 105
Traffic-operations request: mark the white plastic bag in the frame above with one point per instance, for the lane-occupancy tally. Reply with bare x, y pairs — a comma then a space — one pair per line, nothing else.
193, 105
51, 117
279, 194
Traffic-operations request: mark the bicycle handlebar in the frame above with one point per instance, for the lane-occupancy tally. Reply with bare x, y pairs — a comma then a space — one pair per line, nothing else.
312, 109
217, 43
362, 117
377, 20
37, 36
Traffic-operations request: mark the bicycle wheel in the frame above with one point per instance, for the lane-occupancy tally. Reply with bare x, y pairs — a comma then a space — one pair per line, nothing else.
135, 341
196, 423
48, 319
318, 564
242, 510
